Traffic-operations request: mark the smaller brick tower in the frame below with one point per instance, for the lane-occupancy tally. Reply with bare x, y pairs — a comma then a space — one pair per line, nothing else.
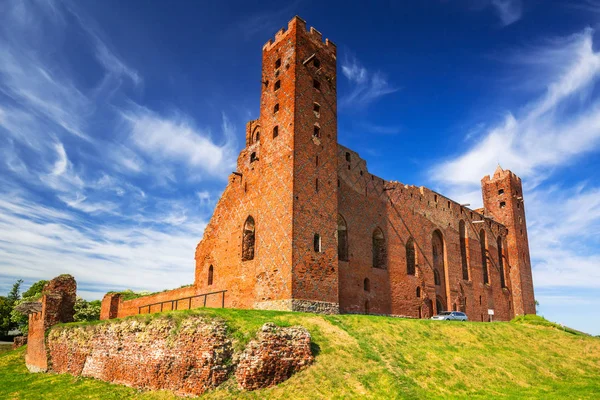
503, 199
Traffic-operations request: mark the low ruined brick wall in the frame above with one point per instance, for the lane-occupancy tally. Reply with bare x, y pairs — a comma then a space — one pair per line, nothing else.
187, 357
273, 356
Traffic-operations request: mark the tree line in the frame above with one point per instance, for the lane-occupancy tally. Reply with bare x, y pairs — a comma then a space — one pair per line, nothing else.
11, 319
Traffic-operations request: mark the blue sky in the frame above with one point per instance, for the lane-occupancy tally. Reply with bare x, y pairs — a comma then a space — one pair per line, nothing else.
120, 122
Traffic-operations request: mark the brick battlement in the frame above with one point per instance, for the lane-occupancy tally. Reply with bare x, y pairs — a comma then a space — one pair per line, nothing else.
300, 24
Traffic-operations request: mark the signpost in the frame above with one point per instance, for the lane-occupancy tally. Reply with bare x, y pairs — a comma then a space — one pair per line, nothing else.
490, 313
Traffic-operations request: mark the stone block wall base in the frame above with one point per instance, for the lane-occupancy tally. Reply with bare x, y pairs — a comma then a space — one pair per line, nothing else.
319, 307
35, 369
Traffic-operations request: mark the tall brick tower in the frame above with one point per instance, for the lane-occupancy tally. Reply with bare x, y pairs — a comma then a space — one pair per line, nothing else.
503, 199
298, 118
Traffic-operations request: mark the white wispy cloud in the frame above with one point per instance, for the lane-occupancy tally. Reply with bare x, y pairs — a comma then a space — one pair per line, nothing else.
509, 11
563, 229
81, 190
176, 138
541, 134
367, 86
102, 257
552, 130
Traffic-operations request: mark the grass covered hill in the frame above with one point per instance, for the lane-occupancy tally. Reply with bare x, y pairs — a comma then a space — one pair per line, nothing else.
362, 356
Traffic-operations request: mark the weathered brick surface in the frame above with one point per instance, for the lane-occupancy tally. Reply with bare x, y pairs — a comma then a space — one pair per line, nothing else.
297, 182
58, 303
273, 357
187, 360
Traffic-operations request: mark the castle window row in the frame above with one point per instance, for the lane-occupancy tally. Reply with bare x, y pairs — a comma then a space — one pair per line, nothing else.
379, 252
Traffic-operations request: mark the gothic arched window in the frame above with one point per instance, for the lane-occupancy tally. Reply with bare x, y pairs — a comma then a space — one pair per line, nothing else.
501, 262
248, 240
210, 275
484, 262
463, 249
378, 249
410, 257
342, 239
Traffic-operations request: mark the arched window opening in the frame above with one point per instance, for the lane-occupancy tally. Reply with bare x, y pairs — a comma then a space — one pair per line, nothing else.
342, 239
277, 85
378, 249
439, 306
210, 275
278, 63
317, 63
275, 131
367, 285
410, 257
484, 262
418, 292
437, 246
317, 243
317, 131
317, 109
253, 157
501, 262
316, 84
276, 108
463, 249
248, 240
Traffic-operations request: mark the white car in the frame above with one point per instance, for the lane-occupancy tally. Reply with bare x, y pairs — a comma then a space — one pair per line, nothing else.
451, 316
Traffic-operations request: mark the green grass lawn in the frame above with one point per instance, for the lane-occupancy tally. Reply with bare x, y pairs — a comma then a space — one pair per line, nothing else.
379, 357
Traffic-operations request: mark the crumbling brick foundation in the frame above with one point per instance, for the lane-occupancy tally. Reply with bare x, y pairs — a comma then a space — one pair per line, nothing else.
273, 357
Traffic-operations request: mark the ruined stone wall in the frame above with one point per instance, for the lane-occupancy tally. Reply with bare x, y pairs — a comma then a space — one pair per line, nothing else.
35, 358
367, 202
113, 306
58, 302
187, 357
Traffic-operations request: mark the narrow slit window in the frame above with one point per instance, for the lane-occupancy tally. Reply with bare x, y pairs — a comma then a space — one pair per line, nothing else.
348, 157
253, 157
317, 63
317, 132
501, 191
367, 285
248, 240
316, 84
276, 108
277, 85
275, 131
210, 275
278, 63
317, 243
317, 108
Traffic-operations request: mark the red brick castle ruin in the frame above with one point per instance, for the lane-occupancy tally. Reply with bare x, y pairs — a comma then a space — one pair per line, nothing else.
302, 225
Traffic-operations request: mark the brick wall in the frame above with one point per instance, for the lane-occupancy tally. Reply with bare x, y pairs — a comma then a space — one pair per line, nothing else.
58, 302
366, 203
187, 357
295, 181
